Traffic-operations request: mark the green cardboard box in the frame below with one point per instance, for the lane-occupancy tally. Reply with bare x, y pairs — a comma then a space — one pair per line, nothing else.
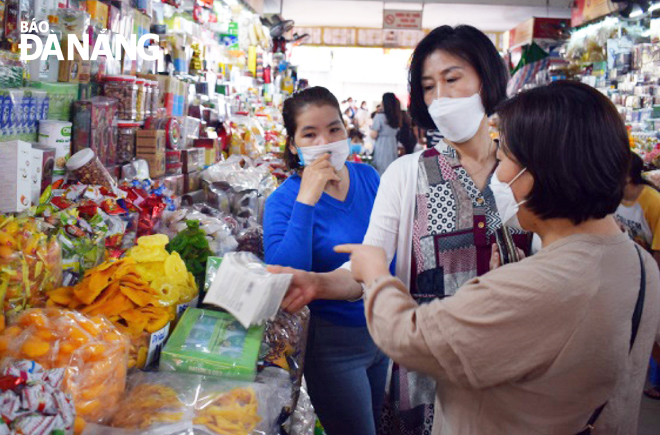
213, 343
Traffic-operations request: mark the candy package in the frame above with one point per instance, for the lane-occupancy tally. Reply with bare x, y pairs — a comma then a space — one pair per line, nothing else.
178, 403
150, 200
30, 263
284, 346
92, 352
82, 241
32, 400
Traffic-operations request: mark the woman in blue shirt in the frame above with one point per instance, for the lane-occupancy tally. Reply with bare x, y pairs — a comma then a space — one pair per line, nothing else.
325, 203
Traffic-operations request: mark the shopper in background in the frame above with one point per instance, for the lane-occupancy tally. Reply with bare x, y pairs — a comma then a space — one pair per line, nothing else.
544, 345
362, 118
434, 209
639, 213
327, 201
384, 132
357, 140
350, 109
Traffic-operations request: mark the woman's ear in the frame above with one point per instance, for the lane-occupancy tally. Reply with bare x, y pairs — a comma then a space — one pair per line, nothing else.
293, 149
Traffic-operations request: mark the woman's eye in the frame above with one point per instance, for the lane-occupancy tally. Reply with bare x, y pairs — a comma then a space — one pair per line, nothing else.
334, 130
428, 88
309, 135
452, 80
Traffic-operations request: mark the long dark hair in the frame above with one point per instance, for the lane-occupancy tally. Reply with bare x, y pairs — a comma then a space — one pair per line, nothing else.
317, 96
392, 110
469, 44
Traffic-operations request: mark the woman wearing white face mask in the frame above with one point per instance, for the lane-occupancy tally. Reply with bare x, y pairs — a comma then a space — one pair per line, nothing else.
326, 202
434, 209
557, 343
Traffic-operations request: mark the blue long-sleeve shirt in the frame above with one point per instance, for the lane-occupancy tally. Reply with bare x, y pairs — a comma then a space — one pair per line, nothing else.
303, 237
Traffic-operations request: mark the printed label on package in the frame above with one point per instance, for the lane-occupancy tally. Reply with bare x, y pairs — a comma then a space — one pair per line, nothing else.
156, 343
181, 308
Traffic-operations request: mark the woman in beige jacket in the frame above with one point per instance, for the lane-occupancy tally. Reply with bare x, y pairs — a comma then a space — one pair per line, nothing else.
537, 347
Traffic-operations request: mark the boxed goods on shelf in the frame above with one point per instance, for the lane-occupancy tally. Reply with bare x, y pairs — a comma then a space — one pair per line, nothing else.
60, 98
57, 135
213, 343
150, 146
193, 159
15, 175
43, 162
94, 127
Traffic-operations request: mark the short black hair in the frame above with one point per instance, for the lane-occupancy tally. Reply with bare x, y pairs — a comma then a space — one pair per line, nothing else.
318, 96
636, 170
474, 47
355, 135
573, 141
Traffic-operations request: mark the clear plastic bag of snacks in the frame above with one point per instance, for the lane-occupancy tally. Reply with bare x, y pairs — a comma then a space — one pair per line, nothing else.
92, 352
176, 403
30, 263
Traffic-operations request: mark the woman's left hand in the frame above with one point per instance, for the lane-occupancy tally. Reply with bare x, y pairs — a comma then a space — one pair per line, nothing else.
496, 261
367, 262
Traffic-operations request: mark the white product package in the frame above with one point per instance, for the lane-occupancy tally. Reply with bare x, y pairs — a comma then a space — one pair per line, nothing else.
244, 288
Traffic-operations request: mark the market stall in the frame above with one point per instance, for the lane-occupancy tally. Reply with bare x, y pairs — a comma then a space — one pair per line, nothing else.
127, 180
619, 54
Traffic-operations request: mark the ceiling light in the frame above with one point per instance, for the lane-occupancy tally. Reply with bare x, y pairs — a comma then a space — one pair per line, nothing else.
231, 2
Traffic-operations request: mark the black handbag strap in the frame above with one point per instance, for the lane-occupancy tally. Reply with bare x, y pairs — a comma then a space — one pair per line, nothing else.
636, 319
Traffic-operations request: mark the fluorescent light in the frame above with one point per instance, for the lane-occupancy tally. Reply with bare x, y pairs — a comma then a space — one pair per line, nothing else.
231, 2
639, 13
636, 13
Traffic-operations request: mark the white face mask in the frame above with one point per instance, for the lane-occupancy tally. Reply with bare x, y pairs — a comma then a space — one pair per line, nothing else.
458, 119
339, 152
506, 203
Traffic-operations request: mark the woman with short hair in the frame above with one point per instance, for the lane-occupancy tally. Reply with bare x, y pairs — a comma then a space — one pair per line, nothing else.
559, 341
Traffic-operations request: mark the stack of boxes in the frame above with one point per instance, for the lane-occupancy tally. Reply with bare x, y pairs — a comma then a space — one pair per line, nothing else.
193, 162
150, 146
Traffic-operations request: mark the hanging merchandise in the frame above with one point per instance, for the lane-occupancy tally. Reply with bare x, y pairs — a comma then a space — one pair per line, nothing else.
128, 181
533, 61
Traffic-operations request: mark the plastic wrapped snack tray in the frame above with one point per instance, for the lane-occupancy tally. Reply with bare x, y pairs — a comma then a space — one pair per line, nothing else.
188, 404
